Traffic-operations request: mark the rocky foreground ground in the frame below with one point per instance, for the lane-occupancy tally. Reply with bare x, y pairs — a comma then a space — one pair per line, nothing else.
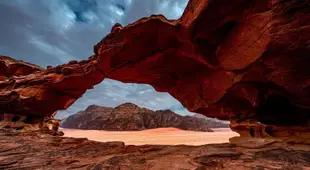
31, 151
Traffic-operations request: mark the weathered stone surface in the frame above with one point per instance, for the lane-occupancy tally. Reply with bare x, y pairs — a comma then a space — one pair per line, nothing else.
10, 67
226, 59
41, 92
252, 128
130, 117
32, 151
255, 134
240, 66
23, 123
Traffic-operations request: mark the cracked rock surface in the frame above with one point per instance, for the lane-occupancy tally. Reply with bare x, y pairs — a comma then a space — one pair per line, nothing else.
36, 151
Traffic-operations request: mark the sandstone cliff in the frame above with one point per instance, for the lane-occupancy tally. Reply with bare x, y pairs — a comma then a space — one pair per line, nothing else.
241, 60
129, 116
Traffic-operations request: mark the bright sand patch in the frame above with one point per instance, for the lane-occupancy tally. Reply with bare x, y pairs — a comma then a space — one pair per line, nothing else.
160, 136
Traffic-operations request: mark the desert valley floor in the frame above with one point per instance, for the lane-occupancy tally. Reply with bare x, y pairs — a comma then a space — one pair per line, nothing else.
159, 136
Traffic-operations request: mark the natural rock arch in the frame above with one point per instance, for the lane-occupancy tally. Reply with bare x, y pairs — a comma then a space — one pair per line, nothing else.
226, 59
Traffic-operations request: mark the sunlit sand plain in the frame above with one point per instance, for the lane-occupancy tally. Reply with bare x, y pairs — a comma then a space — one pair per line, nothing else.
160, 136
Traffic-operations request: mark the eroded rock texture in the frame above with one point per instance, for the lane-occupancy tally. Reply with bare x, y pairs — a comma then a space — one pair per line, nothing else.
245, 59
36, 151
27, 89
229, 59
23, 123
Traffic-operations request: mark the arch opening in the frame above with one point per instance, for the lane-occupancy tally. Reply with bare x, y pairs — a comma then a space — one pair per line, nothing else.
112, 93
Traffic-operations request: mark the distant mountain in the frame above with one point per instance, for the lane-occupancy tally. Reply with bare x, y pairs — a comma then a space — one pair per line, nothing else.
213, 123
197, 115
130, 117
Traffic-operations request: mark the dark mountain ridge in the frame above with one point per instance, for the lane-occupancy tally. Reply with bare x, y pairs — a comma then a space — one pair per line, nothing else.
130, 117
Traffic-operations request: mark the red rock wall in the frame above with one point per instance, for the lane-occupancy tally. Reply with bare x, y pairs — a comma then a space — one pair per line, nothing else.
31, 90
226, 59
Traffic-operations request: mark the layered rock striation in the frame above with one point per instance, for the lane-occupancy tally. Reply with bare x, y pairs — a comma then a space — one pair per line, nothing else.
230, 59
22, 150
129, 117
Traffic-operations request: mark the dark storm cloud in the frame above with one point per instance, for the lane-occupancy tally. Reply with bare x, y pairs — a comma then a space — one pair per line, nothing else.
80, 8
171, 9
52, 32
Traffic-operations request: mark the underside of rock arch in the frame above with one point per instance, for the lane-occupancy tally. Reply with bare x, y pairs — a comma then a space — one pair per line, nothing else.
235, 60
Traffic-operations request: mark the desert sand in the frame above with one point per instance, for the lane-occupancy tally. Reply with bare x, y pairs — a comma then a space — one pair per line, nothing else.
160, 136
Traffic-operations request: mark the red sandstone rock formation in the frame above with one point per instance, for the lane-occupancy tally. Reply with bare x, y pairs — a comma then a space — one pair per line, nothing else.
128, 117
35, 91
38, 151
230, 59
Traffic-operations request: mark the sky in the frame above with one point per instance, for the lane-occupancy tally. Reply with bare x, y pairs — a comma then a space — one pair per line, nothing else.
53, 32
